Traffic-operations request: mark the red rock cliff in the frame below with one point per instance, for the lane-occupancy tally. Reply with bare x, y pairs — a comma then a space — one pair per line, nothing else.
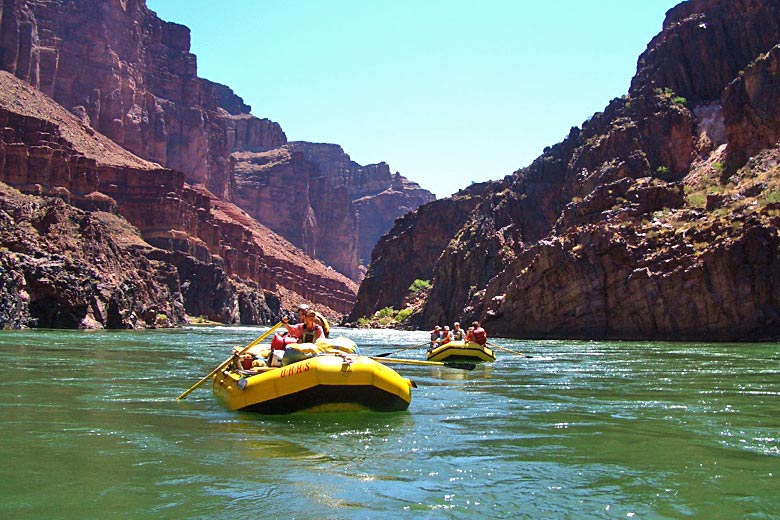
47, 151
130, 76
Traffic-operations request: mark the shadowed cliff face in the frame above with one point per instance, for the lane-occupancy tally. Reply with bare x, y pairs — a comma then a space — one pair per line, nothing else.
658, 219
705, 44
217, 261
67, 268
130, 76
408, 252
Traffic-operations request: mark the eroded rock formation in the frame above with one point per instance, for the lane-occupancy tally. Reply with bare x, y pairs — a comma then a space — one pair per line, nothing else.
322, 201
658, 219
225, 265
410, 250
131, 76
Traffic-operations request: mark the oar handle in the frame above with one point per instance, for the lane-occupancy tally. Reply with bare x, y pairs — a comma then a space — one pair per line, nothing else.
385, 354
508, 350
449, 364
227, 361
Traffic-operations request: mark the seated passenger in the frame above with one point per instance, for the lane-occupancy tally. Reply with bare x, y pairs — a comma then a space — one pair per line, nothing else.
478, 335
446, 335
306, 332
458, 334
319, 319
435, 338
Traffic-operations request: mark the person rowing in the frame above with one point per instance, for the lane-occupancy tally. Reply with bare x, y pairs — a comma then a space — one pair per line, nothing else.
319, 319
308, 331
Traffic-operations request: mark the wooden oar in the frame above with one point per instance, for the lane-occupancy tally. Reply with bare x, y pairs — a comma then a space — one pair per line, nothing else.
385, 354
508, 350
449, 364
228, 360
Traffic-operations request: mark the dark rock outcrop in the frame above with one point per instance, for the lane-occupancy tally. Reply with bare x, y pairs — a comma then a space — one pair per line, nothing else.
68, 268
751, 109
705, 44
410, 250
658, 219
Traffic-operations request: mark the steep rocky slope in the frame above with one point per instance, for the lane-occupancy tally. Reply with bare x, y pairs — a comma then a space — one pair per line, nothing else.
658, 219
112, 240
410, 249
131, 76
322, 201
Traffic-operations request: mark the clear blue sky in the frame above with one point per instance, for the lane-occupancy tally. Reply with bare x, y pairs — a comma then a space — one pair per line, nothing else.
447, 92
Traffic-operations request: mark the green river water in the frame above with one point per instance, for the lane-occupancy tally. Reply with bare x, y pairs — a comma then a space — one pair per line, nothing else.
91, 429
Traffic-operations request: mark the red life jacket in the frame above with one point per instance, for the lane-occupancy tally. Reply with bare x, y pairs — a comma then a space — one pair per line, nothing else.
479, 335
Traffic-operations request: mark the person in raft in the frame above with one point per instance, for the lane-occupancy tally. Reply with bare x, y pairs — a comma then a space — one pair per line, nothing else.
458, 334
319, 319
478, 335
435, 338
446, 335
306, 332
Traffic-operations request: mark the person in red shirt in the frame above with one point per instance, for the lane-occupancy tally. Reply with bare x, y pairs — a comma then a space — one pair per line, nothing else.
319, 319
306, 332
478, 335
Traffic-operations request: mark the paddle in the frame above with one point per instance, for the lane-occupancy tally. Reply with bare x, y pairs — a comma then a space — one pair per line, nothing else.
508, 350
385, 354
448, 364
228, 360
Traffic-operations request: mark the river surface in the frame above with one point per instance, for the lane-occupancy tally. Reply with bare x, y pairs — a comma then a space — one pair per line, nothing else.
91, 429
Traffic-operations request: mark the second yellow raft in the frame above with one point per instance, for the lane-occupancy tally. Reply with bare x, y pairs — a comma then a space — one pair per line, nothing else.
461, 351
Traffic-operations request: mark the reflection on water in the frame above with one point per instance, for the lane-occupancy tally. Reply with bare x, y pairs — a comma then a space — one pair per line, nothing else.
579, 429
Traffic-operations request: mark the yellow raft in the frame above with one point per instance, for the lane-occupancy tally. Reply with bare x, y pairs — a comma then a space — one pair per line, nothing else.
461, 351
333, 380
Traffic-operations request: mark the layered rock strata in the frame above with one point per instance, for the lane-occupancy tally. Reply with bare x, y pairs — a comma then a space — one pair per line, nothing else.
47, 152
131, 76
410, 250
322, 201
658, 219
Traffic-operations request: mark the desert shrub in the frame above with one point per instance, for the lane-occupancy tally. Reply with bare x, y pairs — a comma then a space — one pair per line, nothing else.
418, 285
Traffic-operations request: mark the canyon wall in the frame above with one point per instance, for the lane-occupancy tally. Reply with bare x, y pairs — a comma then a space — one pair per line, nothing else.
226, 266
657, 219
132, 77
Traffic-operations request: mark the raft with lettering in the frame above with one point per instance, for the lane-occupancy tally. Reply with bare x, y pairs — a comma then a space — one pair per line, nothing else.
332, 379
